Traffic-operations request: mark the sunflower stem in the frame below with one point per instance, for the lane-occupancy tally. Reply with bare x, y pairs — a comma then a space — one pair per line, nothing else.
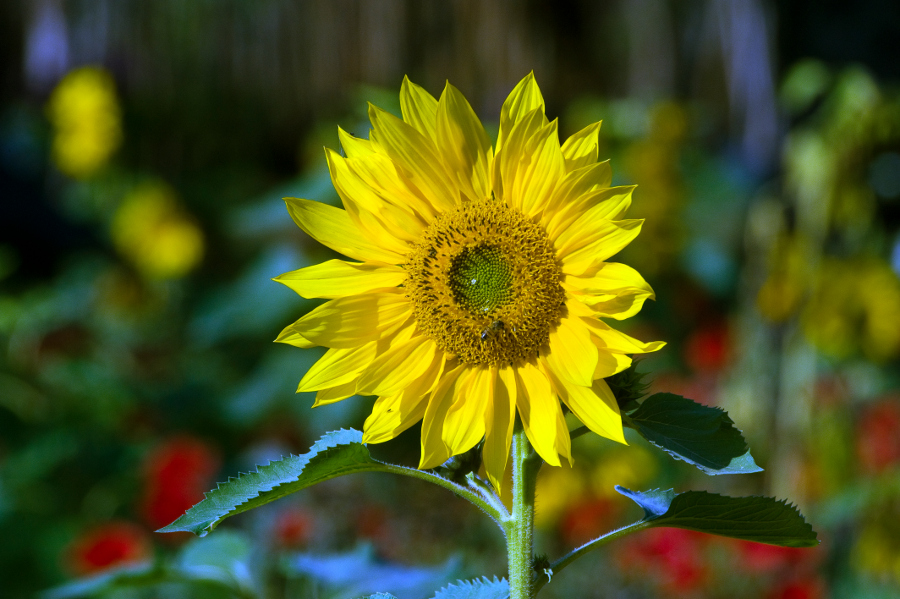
520, 528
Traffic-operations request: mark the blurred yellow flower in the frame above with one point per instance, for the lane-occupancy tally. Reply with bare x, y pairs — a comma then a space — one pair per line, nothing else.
653, 163
877, 553
633, 468
86, 118
155, 234
788, 281
855, 305
557, 490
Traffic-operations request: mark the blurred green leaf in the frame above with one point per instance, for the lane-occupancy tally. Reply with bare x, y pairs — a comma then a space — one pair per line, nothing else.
220, 562
131, 575
761, 519
475, 589
698, 434
360, 571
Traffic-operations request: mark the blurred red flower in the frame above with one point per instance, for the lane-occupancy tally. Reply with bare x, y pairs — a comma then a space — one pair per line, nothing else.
176, 474
806, 588
759, 557
587, 520
706, 350
878, 436
293, 527
672, 558
105, 546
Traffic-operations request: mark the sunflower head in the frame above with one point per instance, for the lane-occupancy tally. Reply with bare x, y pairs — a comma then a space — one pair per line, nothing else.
479, 280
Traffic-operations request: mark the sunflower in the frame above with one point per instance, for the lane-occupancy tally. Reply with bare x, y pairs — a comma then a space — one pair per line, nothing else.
480, 279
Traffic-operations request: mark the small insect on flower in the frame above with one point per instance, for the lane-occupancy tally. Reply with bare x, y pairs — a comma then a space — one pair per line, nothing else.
492, 330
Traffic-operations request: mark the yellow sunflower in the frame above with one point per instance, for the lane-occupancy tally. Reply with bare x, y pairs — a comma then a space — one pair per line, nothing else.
481, 279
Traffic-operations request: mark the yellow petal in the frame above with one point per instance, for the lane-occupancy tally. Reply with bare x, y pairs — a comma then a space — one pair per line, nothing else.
291, 337
538, 408
464, 143
336, 278
354, 320
333, 227
398, 367
616, 341
537, 182
573, 356
620, 307
393, 415
499, 421
464, 423
530, 165
580, 150
354, 147
524, 98
379, 173
419, 108
581, 191
611, 289
609, 203
609, 278
563, 439
416, 157
506, 161
337, 367
610, 363
434, 451
594, 242
335, 394
395, 228
595, 406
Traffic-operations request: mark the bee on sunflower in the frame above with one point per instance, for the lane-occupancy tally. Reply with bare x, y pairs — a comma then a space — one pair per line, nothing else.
480, 279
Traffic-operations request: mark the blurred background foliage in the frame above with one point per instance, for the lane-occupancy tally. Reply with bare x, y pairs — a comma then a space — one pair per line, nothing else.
144, 151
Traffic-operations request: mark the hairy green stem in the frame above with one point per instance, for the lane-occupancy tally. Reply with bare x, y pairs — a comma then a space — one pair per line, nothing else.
490, 506
520, 526
555, 567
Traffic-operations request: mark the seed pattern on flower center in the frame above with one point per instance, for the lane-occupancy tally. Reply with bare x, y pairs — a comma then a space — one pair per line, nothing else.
484, 283
480, 279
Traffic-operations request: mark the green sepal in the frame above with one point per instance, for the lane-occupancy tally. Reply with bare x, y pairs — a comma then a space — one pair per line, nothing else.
475, 589
628, 387
761, 519
699, 435
459, 466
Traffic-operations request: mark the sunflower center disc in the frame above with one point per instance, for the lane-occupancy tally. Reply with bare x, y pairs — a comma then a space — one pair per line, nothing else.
480, 279
484, 283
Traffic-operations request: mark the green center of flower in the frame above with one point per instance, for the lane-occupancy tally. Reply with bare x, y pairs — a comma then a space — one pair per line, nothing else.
480, 279
484, 284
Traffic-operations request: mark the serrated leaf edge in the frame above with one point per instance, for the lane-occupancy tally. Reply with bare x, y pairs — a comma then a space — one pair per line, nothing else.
466, 585
328, 441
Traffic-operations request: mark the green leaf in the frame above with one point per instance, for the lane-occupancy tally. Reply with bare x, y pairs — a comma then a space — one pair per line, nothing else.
761, 519
335, 454
698, 434
475, 589
655, 502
